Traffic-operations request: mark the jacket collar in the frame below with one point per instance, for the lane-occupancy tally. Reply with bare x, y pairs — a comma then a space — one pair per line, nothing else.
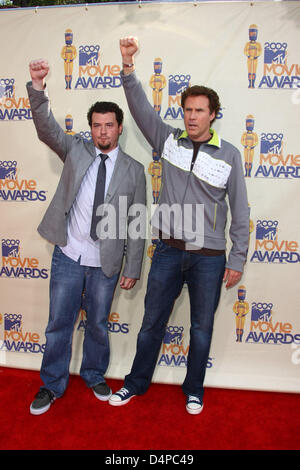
215, 138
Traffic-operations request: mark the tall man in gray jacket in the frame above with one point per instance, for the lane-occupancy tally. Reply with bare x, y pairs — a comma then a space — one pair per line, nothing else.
199, 169
87, 256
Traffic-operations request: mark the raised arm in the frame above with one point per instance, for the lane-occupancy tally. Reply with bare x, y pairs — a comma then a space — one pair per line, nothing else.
48, 130
147, 119
128, 48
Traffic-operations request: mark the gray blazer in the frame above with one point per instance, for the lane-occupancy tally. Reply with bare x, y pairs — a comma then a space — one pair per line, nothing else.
77, 154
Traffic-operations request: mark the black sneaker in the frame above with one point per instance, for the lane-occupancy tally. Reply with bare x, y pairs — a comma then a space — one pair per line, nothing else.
102, 391
42, 402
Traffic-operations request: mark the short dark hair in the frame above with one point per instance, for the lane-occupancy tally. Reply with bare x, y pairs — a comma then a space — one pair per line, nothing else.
104, 107
198, 90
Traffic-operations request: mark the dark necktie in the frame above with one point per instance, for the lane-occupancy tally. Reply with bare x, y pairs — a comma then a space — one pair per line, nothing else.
99, 195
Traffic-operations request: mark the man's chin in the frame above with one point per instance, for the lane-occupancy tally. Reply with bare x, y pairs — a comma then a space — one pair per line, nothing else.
103, 147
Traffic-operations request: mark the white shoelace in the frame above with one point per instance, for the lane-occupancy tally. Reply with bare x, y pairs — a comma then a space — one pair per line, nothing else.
192, 398
123, 391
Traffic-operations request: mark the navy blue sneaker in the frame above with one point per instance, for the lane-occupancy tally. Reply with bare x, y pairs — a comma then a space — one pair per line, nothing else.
121, 397
193, 405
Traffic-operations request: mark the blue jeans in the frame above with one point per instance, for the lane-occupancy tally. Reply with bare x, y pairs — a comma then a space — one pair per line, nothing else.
68, 281
169, 270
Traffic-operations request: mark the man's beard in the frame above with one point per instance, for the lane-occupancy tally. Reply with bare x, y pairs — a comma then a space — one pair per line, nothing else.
104, 147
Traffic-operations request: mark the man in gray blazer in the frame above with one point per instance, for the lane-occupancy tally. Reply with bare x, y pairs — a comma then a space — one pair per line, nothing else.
87, 258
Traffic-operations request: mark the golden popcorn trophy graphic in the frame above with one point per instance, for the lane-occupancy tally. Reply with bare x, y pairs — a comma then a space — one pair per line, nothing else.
69, 125
157, 83
68, 54
252, 50
249, 141
240, 308
154, 170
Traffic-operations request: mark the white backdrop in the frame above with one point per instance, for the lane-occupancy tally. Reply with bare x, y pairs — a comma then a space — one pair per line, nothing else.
197, 43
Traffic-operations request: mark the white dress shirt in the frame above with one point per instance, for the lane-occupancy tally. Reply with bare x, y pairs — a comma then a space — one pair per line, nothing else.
79, 243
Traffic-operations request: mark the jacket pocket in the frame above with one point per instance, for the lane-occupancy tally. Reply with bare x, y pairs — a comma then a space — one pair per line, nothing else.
215, 219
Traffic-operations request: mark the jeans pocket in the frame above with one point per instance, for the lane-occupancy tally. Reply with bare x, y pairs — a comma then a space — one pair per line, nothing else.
55, 258
162, 247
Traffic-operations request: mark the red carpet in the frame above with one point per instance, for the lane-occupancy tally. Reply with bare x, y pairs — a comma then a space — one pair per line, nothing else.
231, 419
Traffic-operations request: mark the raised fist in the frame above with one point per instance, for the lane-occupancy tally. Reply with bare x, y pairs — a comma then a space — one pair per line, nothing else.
128, 47
38, 69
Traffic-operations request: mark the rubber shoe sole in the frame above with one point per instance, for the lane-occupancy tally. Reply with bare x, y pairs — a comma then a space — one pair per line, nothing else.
119, 402
102, 397
194, 411
40, 411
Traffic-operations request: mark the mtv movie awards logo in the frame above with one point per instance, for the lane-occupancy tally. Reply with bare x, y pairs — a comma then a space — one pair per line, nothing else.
174, 351
15, 266
114, 325
12, 108
270, 248
176, 84
16, 339
273, 163
263, 328
92, 73
278, 73
14, 189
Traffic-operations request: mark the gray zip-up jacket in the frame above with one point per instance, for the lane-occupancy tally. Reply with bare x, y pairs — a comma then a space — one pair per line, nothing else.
216, 174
